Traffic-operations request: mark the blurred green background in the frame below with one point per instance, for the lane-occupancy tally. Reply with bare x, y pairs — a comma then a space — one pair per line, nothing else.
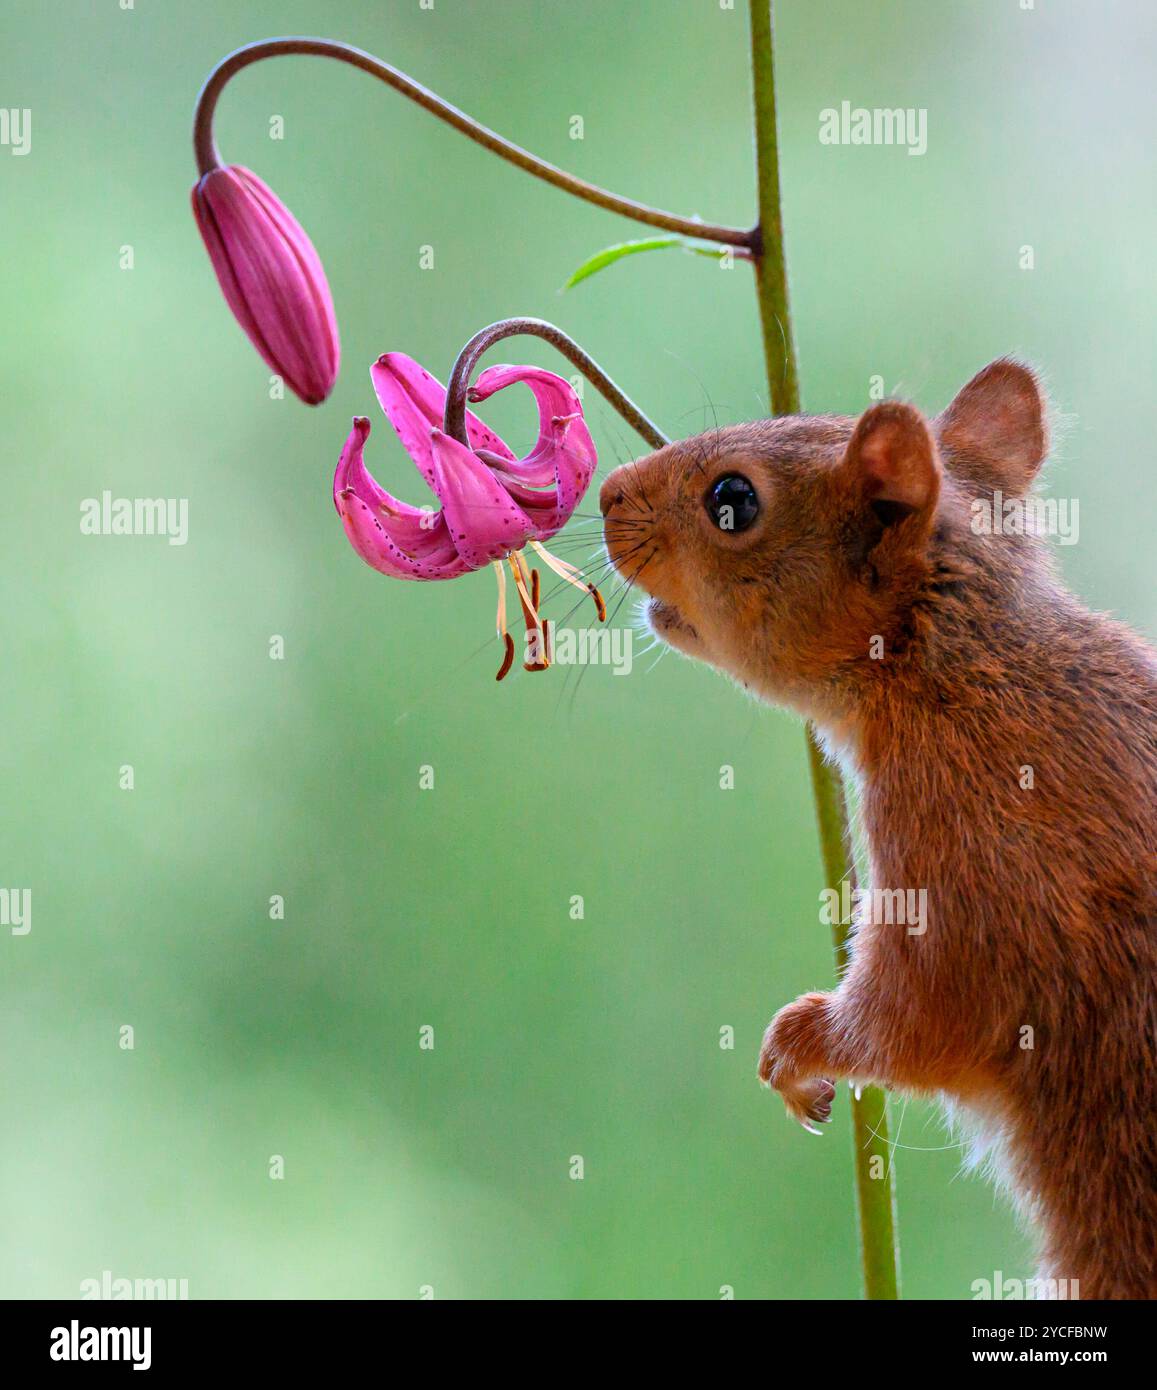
253, 777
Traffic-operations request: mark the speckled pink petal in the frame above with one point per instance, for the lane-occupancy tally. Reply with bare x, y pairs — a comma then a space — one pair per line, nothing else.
564, 454
484, 520
414, 402
397, 539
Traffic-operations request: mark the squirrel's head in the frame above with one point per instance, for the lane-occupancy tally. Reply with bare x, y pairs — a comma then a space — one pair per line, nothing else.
794, 553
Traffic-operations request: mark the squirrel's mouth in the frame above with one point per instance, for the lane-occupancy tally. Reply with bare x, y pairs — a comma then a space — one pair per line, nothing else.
668, 623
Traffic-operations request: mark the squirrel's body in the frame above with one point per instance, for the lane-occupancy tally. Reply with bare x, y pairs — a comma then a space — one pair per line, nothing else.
1004, 743
1038, 1005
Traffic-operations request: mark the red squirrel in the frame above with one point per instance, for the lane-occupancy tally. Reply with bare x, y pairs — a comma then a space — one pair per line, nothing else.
1003, 741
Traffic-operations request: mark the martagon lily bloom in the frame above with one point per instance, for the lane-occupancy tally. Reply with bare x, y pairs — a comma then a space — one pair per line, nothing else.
493, 504
271, 278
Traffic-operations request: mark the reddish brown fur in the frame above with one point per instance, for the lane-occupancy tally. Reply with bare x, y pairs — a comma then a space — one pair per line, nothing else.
1042, 905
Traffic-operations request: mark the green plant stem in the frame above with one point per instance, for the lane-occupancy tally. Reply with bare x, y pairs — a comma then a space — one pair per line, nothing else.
875, 1178
874, 1171
770, 257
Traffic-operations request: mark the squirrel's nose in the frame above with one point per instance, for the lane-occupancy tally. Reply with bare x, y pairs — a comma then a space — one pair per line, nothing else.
610, 494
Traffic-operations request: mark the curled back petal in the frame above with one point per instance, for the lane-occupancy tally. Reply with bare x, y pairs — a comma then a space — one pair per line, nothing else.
484, 521
397, 539
564, 452
414, 402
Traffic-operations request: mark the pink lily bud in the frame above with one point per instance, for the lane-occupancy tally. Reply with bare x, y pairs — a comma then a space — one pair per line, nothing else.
271, 277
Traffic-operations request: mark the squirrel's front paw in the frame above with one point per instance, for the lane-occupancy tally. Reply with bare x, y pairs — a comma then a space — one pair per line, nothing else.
810, 1102
791, 1056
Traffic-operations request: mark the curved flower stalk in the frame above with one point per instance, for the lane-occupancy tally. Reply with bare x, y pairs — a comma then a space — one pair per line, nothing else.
268, 270
494, 505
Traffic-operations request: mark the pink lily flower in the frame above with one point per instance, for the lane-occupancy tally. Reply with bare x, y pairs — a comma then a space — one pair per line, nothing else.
271, 277
493, 504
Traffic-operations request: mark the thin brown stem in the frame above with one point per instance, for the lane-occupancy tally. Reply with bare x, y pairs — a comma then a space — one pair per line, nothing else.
454, 422
207, 157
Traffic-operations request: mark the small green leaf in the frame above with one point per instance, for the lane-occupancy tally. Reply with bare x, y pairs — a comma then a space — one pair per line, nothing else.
601, 259
611, 254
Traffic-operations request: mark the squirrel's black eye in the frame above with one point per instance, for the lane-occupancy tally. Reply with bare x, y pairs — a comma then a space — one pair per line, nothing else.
732, 504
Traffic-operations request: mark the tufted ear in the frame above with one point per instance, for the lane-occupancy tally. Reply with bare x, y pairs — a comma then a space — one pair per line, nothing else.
995, 430
892, 463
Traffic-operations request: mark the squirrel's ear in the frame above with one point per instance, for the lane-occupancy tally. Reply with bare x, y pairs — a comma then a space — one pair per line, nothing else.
995, 430
892, 461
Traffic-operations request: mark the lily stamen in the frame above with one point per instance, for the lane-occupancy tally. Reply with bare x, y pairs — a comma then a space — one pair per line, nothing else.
501, 573
508, 658
573, 575
527, 581
507, 640
522, 583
